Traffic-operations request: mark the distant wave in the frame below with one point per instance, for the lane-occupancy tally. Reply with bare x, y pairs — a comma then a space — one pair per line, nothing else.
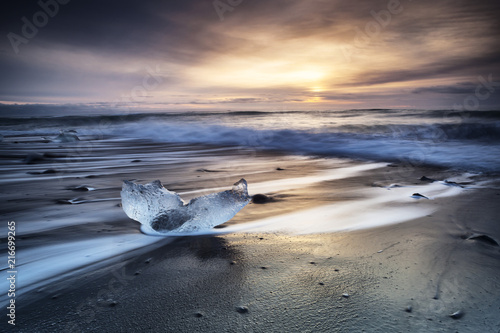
433, 150
472, 142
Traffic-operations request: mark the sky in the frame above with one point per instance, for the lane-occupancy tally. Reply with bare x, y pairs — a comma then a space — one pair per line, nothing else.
251, 54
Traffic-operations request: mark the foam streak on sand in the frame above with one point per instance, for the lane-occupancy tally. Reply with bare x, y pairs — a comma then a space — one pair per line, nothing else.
44, 264
379, 207
292, 183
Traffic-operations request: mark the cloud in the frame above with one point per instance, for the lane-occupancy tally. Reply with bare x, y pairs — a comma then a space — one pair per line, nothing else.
460, 88
97, 51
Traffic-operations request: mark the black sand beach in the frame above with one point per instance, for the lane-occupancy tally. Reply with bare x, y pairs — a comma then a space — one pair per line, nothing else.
406, 276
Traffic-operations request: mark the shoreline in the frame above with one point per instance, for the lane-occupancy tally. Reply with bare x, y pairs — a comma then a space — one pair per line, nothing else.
198, 282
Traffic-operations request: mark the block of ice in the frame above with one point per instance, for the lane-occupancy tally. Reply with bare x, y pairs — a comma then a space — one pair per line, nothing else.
67, 136
164, 211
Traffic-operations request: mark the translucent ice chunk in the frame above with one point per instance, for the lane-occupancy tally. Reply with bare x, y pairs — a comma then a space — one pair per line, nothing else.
164, 211
67, 136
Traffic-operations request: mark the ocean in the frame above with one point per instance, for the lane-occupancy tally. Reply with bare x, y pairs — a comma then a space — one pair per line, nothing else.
467, 141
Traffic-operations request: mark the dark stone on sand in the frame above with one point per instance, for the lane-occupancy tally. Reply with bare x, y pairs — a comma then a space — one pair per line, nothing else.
91, 176
321, 283
81, 188
450, 183
136, 161
409, 309
483, 238
427, 179
198, 314
263, 267
137, 273
393, 165
457, 315
418, 196
345, 295
33, 158
336, 269
147, 261
220, 226
312, 263
261, 199
232, 263
242, 309
279, 169
113, 304
49, 171
65, 201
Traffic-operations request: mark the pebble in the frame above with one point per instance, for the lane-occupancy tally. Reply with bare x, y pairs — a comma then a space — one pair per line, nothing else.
409, 309
345, 295
242, 309
457, 315
260, 199
418, 196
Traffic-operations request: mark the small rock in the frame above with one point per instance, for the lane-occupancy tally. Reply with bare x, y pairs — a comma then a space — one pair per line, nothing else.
147, 261
426, 179
409, 309
242, 309
450, 183
68, 201
321, 284
312, 263
279, 169
137, 273
336, 269
136, 161
232, 263
261, 199
418, 196
263, 267
457, 315
113, 304
82, 188
198, 314
345, 295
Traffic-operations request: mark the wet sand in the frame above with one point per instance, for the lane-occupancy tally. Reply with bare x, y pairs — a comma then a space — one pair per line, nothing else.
87, 267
